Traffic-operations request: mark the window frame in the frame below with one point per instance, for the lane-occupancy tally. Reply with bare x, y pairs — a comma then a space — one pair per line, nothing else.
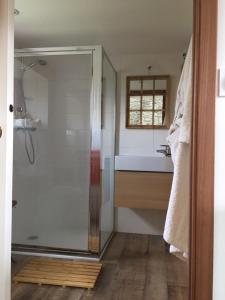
164, 93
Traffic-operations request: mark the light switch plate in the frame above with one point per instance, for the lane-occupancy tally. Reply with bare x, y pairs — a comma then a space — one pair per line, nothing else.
222, 82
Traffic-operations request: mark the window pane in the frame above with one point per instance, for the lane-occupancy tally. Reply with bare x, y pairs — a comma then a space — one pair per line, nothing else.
135, 85
161, 84
158, 118
147, 102
158, 102
147, 85
146, 118
135, 118
135, 103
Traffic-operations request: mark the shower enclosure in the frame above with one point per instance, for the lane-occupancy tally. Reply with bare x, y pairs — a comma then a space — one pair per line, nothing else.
64, 137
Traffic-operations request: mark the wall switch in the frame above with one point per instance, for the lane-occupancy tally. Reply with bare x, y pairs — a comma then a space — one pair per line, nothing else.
222, 82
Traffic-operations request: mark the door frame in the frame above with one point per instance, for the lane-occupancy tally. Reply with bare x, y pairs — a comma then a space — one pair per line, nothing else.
202, 157
202, 153
6, 143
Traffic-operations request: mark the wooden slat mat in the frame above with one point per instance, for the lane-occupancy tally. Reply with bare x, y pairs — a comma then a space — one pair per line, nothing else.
59, 272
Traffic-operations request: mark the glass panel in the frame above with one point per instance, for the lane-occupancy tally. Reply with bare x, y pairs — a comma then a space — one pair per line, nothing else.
160, 84
158, 102
107, 151
158, 118
135, 118
146, 118
52, 151
147, 102
135, 103
135, 85
147, 85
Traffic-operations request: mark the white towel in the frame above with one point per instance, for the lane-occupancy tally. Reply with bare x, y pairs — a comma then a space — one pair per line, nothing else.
176, 231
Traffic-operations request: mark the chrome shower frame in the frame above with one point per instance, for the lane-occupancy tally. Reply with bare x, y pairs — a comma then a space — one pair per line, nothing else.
95, 249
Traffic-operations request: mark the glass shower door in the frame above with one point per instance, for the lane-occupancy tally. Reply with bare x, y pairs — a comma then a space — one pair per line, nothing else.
108, 150
52, 137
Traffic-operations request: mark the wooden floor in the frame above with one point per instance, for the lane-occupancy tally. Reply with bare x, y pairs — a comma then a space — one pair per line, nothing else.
135, 267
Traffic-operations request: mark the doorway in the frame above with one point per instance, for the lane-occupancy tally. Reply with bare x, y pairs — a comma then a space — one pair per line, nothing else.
202, 199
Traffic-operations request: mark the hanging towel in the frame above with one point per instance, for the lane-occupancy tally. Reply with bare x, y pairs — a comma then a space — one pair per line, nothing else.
176, 231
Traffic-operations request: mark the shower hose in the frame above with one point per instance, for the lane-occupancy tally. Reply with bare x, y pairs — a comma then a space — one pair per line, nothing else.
29, 150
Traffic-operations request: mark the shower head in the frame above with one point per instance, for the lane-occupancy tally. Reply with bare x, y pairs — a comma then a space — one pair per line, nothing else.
40, 62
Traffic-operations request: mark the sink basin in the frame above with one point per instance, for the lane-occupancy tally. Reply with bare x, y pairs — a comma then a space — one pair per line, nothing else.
143, 163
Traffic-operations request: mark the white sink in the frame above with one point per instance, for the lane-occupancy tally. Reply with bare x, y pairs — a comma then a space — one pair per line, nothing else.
143, 163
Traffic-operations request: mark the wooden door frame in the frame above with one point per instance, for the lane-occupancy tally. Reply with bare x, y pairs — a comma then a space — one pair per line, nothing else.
202, 155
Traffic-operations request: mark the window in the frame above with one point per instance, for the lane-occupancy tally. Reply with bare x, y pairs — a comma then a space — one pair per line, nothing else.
147, 101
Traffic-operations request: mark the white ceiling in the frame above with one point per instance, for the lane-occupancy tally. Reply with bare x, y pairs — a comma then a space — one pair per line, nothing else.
121, 26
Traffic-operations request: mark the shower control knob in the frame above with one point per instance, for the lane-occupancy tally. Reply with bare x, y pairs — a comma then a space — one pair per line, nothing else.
0, 131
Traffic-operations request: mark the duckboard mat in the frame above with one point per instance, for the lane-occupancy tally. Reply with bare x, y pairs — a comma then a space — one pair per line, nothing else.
59, 272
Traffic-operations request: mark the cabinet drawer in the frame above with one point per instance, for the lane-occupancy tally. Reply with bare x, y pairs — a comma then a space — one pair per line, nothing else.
148, 190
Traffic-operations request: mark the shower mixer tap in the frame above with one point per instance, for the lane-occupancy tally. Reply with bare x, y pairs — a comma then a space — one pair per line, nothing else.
166, 151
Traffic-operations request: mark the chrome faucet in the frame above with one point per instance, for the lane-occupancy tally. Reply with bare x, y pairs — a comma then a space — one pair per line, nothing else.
165, 150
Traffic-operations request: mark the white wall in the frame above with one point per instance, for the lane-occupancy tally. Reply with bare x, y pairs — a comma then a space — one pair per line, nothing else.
142, 142
142, 221
219, 214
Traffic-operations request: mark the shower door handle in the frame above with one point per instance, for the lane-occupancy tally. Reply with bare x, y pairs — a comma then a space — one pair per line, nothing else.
0, 131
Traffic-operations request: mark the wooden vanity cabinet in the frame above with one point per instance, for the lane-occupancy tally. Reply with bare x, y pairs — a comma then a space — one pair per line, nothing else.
149, 190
